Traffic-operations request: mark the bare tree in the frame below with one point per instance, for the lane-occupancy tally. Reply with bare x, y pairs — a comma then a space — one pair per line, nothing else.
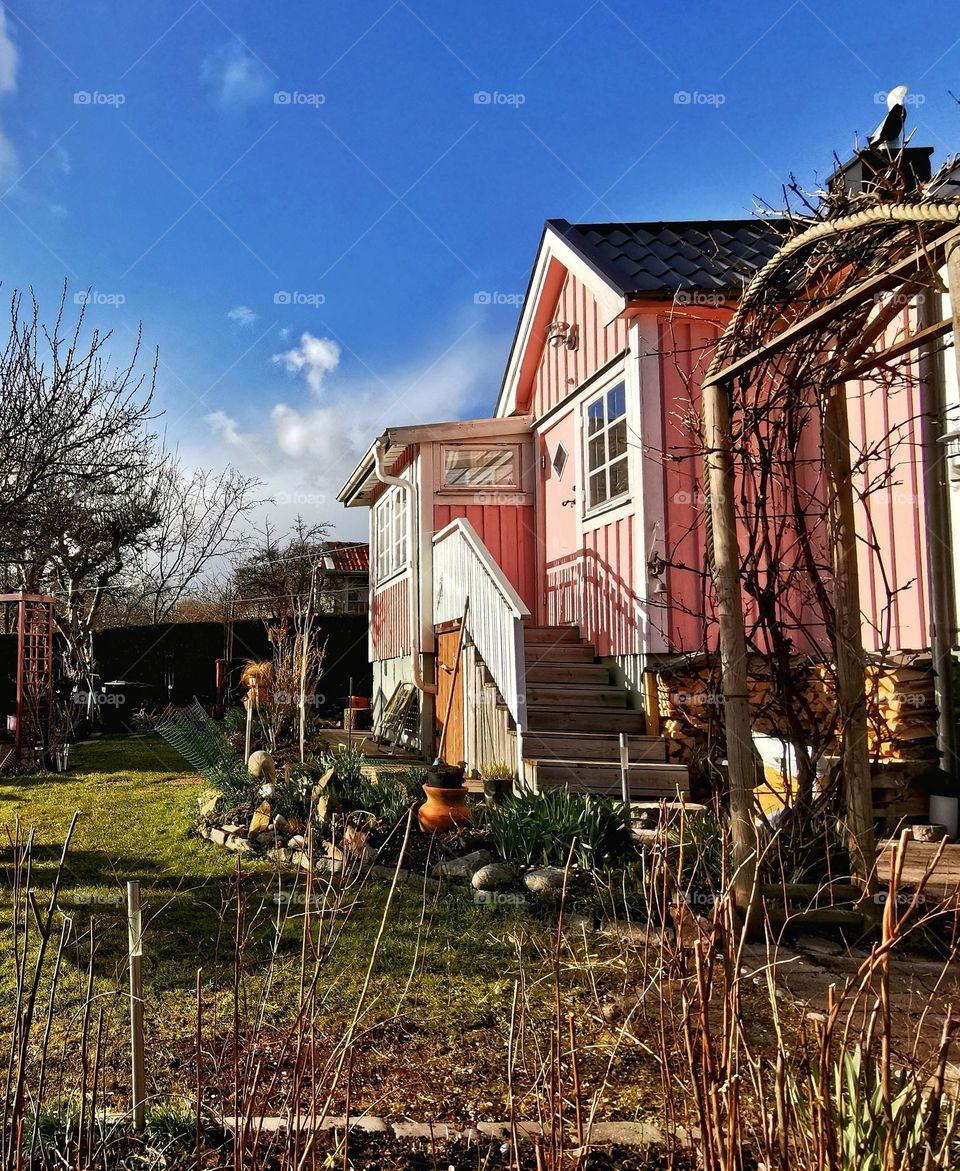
198, 525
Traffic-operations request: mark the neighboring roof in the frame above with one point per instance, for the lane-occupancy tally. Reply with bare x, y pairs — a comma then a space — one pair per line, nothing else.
346, 557
664, 257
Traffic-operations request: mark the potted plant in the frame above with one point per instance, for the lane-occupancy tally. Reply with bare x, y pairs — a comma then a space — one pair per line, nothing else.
445, 807
498, 780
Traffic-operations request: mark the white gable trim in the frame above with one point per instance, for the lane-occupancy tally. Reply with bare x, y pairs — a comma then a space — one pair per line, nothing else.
553, 248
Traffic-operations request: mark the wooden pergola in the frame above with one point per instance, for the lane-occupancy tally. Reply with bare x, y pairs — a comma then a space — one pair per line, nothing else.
905, 276
34, 626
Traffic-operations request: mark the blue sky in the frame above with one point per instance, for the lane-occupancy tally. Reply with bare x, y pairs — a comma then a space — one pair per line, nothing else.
302, 202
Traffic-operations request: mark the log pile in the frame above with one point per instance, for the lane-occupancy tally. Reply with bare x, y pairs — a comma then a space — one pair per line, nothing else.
901, 708
902, 712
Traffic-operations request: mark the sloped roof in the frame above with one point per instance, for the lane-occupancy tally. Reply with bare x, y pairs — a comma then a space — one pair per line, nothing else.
659, 258
346, 557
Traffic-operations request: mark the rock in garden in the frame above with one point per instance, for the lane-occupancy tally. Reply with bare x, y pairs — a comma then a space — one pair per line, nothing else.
464, 867
210, 801
280, 823
297, 842
261, 765
261, 818
545, 881
494, 875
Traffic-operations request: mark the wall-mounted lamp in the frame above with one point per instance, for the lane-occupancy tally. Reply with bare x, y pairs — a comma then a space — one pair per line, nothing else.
562, 333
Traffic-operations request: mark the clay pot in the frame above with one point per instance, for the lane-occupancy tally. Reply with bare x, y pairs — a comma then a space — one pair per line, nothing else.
445, 808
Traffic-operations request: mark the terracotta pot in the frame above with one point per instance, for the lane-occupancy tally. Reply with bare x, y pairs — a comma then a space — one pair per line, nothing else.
444, 808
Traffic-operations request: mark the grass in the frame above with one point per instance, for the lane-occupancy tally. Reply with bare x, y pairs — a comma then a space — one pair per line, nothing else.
435, 1028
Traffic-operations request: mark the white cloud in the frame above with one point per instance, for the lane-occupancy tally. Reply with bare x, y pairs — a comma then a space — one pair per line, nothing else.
304, 451
315, 358
234, 76
8, 57
243, 315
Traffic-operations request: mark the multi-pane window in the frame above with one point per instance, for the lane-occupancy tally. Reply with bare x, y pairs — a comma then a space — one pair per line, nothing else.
607, 447
391, 513
480, 467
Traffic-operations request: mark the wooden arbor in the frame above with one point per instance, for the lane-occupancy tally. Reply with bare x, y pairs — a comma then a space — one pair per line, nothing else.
844, 328
31, 616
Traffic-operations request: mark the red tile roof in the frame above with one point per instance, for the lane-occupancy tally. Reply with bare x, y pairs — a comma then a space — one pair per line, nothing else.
347, 557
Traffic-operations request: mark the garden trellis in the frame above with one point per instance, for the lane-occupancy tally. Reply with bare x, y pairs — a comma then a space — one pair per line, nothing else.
816, 316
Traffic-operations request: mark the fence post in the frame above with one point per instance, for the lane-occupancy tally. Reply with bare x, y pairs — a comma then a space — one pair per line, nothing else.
625, 769
135, 932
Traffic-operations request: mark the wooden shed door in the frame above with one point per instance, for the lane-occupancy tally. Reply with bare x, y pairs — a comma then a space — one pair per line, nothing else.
447, 644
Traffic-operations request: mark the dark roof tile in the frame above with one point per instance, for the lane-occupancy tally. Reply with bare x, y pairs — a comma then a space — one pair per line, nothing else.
659, 258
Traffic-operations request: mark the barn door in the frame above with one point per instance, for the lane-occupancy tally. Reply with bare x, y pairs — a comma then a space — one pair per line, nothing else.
449, 680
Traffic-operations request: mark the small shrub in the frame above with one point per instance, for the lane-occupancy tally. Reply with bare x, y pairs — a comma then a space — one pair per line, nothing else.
533, 828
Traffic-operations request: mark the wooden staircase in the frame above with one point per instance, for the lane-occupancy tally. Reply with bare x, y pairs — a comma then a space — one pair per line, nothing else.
574, 719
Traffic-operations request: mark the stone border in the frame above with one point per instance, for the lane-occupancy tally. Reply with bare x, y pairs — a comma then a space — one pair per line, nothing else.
626, 1134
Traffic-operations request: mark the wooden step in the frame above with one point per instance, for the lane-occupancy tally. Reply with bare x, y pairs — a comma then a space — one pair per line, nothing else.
583, 746
573, 719
575, 673
560, 652
551, 634
566, 695
646, 780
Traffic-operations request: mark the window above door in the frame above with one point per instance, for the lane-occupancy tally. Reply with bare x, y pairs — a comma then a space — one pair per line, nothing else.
481, 467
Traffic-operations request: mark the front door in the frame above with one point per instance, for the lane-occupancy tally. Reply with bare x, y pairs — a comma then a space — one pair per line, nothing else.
561, 568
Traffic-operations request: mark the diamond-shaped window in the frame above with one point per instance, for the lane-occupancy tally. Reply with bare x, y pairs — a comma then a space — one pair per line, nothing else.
559, 459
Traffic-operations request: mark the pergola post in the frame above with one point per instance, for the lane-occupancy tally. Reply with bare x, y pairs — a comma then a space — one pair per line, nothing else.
725, 567
851, 664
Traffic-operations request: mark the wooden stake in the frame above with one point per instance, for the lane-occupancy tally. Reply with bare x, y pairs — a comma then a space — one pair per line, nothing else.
135, 933
851, 677
725, 568
625, 769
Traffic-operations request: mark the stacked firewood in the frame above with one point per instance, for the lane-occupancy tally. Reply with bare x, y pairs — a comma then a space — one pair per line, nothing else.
902, 712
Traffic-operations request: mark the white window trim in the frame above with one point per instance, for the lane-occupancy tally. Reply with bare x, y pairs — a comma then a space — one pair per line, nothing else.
392, 535
623, 499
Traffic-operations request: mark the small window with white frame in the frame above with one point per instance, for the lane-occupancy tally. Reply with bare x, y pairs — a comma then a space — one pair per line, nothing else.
391, 514
481, 468
606, 447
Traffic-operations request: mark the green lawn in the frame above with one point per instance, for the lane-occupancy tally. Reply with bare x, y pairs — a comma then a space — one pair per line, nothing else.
439, 1008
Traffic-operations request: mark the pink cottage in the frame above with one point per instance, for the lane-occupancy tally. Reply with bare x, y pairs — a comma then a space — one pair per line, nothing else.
566, 532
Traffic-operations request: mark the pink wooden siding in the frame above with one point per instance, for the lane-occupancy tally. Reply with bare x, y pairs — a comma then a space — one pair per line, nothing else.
885, 432
507, 530
885, 446
390, 620
610, 605
562, 370
683, 361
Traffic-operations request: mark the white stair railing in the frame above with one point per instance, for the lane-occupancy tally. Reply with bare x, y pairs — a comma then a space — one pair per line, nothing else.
462, 568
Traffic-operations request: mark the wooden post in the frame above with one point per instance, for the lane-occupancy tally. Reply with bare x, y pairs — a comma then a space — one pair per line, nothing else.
135, 933
625, 769
725, 568
851, 664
